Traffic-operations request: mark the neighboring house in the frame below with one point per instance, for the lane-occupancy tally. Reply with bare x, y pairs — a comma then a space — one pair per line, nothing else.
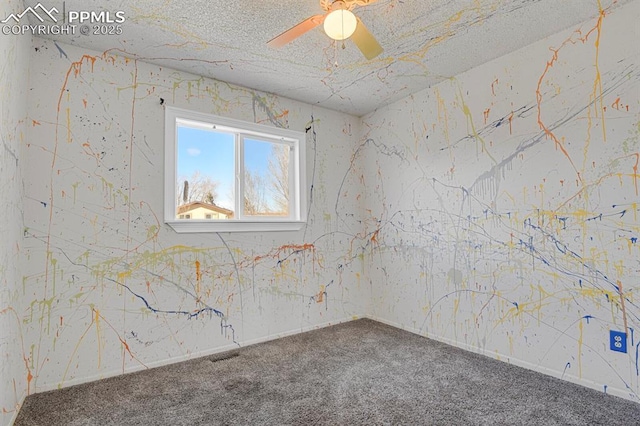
202, 210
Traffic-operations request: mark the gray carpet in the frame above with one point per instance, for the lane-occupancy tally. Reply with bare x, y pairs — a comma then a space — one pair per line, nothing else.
358, 373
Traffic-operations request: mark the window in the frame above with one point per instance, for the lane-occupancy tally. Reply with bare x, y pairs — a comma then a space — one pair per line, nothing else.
227, 175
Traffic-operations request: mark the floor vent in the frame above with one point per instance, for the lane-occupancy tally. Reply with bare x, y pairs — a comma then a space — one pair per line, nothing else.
223, 356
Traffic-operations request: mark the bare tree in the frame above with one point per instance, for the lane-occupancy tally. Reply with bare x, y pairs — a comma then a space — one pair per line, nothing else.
209, 198
269, 193
197, 188
279, 176
255, 200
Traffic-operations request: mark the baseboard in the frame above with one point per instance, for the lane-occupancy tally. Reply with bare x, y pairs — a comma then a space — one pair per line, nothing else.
511, 360
207, 352
502, 357
13, 418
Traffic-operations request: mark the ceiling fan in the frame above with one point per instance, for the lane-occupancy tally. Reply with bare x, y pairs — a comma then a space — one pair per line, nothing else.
339, 24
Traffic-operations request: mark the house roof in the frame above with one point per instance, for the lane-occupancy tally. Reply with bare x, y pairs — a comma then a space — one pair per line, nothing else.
200, 204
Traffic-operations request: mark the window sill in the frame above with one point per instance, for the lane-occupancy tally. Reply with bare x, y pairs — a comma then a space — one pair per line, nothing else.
204, 226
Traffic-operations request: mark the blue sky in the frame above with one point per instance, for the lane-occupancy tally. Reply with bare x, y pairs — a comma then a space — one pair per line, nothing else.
212, 154
256, 156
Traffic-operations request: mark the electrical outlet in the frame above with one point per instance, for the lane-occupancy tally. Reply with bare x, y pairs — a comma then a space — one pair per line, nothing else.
618, 341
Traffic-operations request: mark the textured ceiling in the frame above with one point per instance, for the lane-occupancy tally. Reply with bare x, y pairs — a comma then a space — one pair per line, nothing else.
424, 41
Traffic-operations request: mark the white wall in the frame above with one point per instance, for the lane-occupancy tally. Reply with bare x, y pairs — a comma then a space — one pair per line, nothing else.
14, 51
517, 210
97, 249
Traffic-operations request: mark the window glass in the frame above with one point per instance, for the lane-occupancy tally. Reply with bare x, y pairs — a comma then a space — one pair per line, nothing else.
266, 178
205, 183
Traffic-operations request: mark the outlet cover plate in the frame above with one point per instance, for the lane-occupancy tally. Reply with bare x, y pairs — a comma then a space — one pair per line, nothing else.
618, 341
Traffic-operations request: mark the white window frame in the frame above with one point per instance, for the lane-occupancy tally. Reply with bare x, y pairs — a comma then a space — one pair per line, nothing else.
297, 180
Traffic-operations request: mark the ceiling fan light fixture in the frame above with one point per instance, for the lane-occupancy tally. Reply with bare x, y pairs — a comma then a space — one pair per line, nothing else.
340, 24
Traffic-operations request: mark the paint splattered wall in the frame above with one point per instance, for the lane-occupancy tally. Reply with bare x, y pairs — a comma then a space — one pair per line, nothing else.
111, 288
14, 52
513, 229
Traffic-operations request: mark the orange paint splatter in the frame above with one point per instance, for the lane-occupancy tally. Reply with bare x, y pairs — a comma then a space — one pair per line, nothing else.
25, 358
510, 123
284, 114
486, 114
29, 378
554, 58
292, 248
303, 247
198, 277
126, 346
493, 92
35, 123
616, 104
124, 343
76, 67
548, 132
198, 272
597, 84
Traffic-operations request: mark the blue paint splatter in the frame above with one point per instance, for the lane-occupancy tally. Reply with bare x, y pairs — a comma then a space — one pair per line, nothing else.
188, 314
62, 53
599, 217
564, 222
587, 317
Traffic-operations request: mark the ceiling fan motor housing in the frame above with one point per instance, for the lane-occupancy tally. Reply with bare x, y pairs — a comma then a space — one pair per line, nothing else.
339, 24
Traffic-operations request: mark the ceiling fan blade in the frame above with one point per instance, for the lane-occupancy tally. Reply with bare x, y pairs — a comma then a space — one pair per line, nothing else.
364, 2
295, 32
366, 42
